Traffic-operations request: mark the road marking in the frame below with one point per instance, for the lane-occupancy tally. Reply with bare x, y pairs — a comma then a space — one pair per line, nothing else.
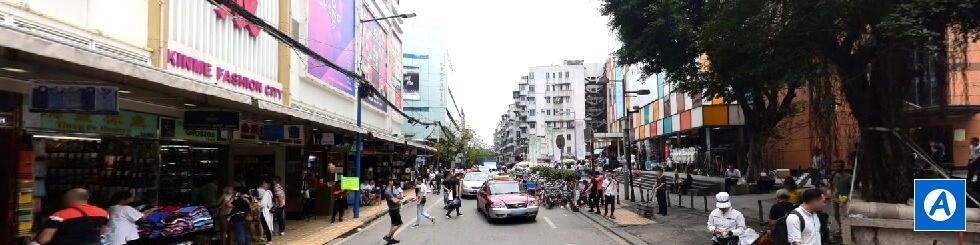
550, 223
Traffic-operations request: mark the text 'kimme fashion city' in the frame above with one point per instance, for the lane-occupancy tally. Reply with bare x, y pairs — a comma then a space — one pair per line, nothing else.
204, 68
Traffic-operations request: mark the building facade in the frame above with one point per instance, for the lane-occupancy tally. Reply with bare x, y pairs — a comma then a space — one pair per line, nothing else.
427, 70
191, 92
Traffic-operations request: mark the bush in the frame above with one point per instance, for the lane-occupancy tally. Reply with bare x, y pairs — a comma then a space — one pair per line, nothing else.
554, 174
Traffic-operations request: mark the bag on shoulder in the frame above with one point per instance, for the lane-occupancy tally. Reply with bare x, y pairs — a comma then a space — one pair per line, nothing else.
780, 232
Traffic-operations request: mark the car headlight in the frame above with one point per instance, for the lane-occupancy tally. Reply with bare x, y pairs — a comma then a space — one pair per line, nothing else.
532, 204
497, 205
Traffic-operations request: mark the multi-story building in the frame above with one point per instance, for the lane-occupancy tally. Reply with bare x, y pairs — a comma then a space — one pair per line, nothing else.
427, 70
192, 92
550, 108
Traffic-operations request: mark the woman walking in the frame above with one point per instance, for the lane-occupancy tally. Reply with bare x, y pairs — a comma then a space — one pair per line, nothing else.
421, 189
265, 203
122, 219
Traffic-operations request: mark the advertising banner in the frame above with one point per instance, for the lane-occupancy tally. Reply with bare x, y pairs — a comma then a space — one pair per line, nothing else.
411, 85
174, 128
126, 123
255, 131
330, 31
579, 140
395, 70
75, 99
374, 58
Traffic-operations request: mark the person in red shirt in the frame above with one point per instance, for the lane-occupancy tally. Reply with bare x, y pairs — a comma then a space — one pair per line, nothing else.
340, 202
80, 223
601, 177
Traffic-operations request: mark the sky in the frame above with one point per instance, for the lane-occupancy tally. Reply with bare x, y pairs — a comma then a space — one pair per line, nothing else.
492, 44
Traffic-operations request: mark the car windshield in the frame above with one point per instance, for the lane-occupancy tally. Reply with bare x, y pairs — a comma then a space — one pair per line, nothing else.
505, 188
476, 177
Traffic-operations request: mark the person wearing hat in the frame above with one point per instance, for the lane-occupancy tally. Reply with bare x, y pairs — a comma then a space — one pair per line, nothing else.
727, 225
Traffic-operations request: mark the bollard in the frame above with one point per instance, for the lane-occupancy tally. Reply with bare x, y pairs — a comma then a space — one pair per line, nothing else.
680, 199
761, 217
668, 198
692, 200
705, 203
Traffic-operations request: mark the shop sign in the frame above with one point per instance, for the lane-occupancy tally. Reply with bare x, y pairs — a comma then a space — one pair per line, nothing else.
75, 99
219, 120
225, 76
6, 121
326, 139
256, 132
349, 183
174, 128
126, 123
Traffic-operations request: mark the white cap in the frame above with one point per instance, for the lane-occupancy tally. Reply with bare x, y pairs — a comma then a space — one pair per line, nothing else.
723, 200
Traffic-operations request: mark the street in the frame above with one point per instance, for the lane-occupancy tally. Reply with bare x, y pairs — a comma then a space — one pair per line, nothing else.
554, 226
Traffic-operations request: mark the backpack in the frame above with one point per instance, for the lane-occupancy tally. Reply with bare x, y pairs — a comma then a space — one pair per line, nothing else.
781, 233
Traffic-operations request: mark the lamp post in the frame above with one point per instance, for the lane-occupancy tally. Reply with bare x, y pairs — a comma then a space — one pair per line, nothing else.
626, 138
358, 142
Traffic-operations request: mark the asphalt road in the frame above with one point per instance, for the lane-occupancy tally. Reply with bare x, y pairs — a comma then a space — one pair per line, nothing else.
555, 226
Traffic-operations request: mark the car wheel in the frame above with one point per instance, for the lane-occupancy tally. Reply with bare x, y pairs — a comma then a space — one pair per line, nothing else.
532, 217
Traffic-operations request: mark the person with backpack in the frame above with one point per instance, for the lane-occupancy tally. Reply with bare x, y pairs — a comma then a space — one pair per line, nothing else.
802, 225
727, 225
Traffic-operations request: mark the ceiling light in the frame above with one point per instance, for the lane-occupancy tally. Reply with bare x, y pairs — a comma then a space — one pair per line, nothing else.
124, 91
189, 104
11, 69
268, 120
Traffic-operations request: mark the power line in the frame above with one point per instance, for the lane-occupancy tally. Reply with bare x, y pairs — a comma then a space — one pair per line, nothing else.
365, 88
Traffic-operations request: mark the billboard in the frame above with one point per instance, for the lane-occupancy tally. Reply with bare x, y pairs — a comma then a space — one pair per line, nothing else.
374, 58
331, 35
595, 105
84, 99
411, 83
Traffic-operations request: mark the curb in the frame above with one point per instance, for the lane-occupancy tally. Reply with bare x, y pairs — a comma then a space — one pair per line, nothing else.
613, 228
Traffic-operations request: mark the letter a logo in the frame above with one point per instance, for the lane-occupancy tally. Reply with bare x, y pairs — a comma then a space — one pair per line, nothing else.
940, 205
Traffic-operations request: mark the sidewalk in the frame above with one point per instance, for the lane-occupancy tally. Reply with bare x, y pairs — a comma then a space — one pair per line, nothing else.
321, 231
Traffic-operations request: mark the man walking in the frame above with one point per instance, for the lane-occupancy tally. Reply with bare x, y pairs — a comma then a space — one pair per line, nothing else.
593, 191
394, 211
819, 163
421, 190
973, 167
601, 178
841, 184
813, 201
661, 188
279, 212
80, 223
451, 189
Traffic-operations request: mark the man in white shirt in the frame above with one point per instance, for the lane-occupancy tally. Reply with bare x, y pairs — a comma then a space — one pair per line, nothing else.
813, 201
727, 224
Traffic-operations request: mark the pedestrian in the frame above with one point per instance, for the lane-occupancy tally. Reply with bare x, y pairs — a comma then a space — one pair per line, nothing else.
817, 167
731, 178
421, 190
794, 191
228, 195
593, 191
973, 165
122, 219
451, 189
780, 209
266, 204
239, 216
279, 211
601, 178
394, 208
727, 225
339, 203
79, 223
661, 188
813, 200
611, 185
841, 184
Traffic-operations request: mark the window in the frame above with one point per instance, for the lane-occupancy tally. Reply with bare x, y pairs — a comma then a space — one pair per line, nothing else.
547, 99
547, 75
530, 98
530, 113
530, 88
547, 88
559, 74
568, 136
567, 74
422, 109
523, 130
568, 149
531, 124
548, 112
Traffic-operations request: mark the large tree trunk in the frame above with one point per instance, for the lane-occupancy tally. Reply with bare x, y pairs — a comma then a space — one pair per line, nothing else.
876, 98
756, 144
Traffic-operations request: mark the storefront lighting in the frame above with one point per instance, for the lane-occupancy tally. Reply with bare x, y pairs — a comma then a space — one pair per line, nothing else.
268, 120
11, 69
65, 138
174, 146
203, 148
124, 91
189, 104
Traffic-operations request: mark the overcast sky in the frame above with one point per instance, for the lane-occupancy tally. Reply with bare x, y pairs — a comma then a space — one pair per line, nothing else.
492, 44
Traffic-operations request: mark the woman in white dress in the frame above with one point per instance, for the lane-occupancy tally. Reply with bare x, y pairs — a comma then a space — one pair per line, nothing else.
122, 219
265, 202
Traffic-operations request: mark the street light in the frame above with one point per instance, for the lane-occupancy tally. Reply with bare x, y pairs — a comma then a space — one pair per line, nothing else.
401, 16
359, 141
626, 138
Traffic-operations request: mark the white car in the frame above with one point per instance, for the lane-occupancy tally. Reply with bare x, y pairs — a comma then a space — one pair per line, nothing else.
472, 182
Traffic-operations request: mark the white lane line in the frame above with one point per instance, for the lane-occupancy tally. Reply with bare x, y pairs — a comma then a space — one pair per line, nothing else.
550, 223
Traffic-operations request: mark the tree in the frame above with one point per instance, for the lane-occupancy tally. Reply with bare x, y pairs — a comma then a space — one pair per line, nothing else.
748, 66
470, 149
